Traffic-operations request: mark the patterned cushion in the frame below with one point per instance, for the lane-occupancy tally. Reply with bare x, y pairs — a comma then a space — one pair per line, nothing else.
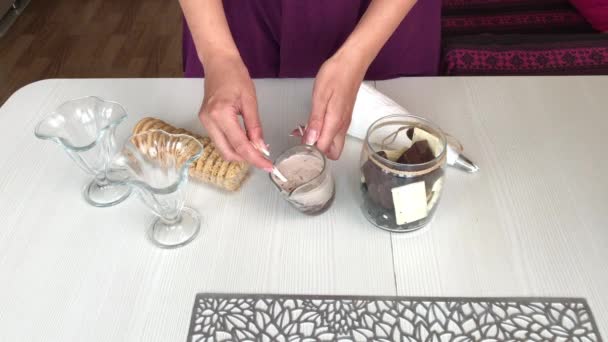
548, 21
477, 6
596, 12
578, 54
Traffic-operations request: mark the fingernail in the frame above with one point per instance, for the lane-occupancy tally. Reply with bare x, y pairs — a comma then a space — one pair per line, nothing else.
262, 147
299, 131
277, 173
296, 133
311, 137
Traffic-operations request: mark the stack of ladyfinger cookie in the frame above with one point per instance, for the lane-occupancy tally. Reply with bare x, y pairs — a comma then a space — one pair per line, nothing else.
210, 168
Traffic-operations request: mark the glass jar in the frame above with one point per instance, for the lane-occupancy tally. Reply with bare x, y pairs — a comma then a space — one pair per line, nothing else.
310, 184
401, 175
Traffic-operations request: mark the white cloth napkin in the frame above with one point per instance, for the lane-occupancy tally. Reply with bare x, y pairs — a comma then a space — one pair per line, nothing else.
370, 106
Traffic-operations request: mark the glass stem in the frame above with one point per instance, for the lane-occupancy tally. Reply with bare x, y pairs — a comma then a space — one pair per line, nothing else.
172, 221
101, 180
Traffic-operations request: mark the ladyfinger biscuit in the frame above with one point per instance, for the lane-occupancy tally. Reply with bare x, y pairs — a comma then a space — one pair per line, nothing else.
209, 168
142, 125
216, 170
206, 174
221, 174
234, 176
200, 163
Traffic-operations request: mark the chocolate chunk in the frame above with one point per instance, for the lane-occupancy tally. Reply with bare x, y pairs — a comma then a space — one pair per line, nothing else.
382, 154
378, 185
420, 152
379, 182
410, 133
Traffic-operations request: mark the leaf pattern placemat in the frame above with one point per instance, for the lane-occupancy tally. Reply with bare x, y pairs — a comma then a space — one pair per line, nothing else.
236, 317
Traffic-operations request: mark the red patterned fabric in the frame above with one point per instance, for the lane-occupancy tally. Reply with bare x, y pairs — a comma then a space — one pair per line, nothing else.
526, 55
476, 6
596, 12
553, 21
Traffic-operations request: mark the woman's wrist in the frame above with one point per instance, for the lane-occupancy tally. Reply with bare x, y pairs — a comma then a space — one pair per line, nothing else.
210, 32
220, 59
373, 30
212, 56
355, 57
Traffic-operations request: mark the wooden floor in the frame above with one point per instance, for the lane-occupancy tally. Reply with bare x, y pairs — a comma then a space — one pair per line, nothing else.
91, 38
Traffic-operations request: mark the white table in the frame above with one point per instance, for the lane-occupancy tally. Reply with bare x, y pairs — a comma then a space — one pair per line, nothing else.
533, 222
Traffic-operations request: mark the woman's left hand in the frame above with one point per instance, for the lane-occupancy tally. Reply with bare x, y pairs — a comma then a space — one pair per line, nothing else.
333, 99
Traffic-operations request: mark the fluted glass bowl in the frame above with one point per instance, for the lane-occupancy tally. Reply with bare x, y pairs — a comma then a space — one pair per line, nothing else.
85, 128
155, 164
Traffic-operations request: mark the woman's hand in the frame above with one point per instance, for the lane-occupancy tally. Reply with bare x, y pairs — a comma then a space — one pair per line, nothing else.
340, 76
333, 99
229, 92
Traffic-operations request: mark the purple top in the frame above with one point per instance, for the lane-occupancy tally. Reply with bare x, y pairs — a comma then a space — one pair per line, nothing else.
292, 38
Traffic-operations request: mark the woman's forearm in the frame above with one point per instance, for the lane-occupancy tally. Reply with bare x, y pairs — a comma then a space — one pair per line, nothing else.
210, 32
380, 20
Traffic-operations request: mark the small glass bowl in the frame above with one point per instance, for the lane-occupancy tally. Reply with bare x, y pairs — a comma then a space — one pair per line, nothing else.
311, 190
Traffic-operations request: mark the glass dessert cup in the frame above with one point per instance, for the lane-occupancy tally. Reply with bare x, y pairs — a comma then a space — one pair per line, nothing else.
156, 165
85, 128
400, 187
310, 184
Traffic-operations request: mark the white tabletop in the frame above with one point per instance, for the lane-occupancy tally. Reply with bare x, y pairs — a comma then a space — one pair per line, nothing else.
532, 222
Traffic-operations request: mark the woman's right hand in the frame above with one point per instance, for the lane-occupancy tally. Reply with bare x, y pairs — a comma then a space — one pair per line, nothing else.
229, 92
